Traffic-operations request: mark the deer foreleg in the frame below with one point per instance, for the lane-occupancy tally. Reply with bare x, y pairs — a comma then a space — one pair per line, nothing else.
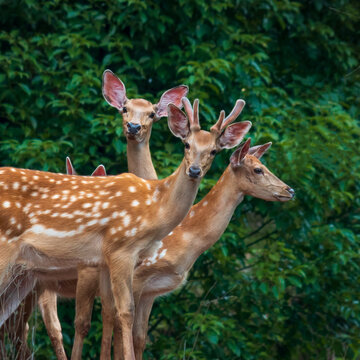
86, 289
48, 306
121, 266
108, 313
142, 314
16, 328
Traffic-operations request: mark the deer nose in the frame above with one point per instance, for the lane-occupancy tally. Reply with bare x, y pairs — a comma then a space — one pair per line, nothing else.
194, 171
291, 191
133, 129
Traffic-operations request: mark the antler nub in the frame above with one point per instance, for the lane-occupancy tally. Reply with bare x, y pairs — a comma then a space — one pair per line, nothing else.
192, 113
222, 123
217, 126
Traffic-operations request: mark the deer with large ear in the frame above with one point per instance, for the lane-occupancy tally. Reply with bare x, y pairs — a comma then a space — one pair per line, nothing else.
138, 117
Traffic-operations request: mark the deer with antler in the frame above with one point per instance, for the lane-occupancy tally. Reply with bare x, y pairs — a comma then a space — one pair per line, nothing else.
83, 307
104, 218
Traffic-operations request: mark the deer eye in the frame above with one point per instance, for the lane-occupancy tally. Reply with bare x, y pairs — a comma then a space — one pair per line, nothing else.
152, 115
213, 152
187, 146
124, 109
258, 171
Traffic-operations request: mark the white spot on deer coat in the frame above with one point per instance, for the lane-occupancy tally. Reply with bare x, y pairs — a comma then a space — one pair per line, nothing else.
135, 203
6, 204
15, 185
126, 220
104, 221
132, 189
40, 229
162, 254
92, 222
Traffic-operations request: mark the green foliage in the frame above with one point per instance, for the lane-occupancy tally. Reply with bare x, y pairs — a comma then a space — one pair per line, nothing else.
283, 281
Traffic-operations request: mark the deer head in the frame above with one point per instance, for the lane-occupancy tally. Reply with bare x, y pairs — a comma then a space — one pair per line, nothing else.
201, 146
254, 178
138, 114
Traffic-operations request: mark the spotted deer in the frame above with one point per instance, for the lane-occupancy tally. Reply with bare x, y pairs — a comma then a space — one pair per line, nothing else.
108, 221
45, 295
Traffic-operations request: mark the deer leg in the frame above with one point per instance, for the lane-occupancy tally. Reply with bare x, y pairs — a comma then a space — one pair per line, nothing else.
22, 328
118, 345
142, 314
48, 307
86, 289
108, 313
16, 328
121, 266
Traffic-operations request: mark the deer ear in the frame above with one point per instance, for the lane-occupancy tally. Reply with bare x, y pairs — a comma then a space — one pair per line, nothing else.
69, 167
173, 96
113, 90
99, 171
233, 134
238, 156
178, 122
260, 150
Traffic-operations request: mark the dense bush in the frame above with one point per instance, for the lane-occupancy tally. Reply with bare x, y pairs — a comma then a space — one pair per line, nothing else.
283, 281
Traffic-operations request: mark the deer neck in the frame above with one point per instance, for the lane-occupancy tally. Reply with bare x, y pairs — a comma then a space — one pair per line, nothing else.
178, 192
139, 159
208, 219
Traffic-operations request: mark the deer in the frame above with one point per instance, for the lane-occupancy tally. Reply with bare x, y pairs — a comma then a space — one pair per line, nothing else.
45, 294
104, 221
138, 116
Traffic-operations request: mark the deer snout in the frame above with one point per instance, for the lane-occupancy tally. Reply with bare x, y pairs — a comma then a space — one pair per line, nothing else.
133, 129
194, 172
291, 191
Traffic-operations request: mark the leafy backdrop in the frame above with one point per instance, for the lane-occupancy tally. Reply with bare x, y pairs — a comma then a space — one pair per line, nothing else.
283, 281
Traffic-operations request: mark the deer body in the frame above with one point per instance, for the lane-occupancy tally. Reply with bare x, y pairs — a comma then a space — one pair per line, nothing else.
110, 220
